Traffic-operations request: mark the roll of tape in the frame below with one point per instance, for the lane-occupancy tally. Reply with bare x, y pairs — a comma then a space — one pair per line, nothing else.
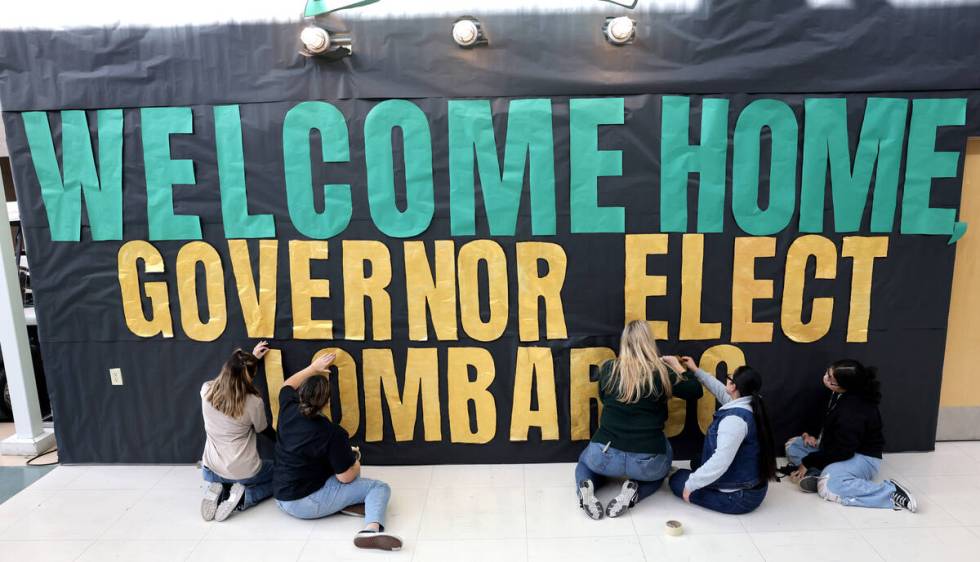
674, 528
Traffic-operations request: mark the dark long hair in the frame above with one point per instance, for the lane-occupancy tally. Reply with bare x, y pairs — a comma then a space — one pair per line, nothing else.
854, 377
748, 382
314, 394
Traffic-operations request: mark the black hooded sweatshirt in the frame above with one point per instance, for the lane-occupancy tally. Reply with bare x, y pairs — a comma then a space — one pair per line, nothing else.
852, 425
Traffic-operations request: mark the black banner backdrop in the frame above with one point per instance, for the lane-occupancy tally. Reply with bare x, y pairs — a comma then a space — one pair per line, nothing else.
154, 416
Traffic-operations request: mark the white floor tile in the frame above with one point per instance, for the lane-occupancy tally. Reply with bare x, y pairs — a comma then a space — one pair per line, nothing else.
403, 517
181, 477
929, 514
162, 515
786, 508
248, 551
697, 548
925, 545
478, 475
963, 505
120, 478
17, 507
472, 513
474, 550
399, 477
60, 478
651, 515
815, 546
970, 448
138, 551
344, 550
42, 551
262, 522
587, 549
947, 461
550, 475
555, 513
73, 515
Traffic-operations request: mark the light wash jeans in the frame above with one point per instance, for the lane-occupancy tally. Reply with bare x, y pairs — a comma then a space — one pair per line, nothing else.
598, 462
335, 496
257, 488
847, 482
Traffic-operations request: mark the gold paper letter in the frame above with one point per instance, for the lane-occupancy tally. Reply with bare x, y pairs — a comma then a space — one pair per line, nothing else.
531, 288
470, 256
640, 285
188, 257
424, 293
129, 285
583, 389
258, 306
746, 289
534, 364
692, 268
462, 390
799, 253
358, 286
304, 290
421, 380
864, 250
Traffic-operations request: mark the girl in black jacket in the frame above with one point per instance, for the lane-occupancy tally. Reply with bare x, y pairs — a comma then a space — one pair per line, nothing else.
842, 462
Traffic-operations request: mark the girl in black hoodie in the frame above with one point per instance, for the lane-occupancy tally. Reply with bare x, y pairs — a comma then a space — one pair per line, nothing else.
842, 462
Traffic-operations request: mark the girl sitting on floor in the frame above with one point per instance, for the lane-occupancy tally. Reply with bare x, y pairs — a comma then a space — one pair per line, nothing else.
317, 472
739, 456
842, 462
233, 413
630, 441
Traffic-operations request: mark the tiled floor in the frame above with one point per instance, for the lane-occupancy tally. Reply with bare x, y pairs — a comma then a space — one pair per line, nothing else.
499, 513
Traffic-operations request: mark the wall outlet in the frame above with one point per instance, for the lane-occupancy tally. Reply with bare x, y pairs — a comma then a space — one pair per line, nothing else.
115, 376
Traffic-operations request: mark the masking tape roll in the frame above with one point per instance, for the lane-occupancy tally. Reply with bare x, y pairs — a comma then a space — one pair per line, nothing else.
674, 528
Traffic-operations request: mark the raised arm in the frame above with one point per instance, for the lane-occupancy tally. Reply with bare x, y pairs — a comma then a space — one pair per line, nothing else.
319, 366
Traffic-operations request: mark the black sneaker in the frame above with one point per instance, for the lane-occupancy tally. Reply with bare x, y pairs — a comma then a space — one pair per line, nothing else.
809, 482
626, 499
787, 469
587, 500
903, 499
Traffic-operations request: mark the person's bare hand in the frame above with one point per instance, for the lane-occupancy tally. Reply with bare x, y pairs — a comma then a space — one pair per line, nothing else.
260, 349
798, 475
689, 363
322, 363
673, 363
687, 495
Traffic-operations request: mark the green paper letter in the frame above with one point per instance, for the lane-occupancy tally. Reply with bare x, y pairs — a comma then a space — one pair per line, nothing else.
102, 189
334, 147
781, 122
162, 173
678, 158
231, 178
528, 131
588, 163
379, 157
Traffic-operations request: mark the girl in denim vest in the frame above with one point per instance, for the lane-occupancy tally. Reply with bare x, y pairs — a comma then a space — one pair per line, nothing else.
739, 456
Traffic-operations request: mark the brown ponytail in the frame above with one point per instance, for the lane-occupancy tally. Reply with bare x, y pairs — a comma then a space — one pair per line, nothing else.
233, 385
314, 394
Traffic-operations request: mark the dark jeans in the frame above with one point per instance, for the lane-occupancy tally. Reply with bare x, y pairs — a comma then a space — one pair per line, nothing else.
257, 488
733, 503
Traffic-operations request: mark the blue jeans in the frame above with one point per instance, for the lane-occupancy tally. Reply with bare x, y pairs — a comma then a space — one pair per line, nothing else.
648, 470
733, 503
335, 496
847, 482
257, 488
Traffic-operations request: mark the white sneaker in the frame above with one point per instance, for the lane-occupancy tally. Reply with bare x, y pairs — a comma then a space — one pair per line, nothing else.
626, 499
587, 500
226, 507
212, 495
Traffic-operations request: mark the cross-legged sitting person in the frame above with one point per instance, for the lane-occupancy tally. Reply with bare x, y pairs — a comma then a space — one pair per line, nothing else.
739, 457
317, 472
841, 463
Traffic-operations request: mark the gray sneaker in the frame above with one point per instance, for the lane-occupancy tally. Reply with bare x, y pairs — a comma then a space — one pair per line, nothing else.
628, 495
212, 495
587, 500
809, 483
225, 508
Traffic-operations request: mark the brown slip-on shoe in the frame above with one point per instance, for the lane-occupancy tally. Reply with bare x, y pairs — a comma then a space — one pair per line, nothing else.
380, 540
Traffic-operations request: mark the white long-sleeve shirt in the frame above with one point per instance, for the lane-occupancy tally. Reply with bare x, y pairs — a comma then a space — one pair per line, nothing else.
731, 432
